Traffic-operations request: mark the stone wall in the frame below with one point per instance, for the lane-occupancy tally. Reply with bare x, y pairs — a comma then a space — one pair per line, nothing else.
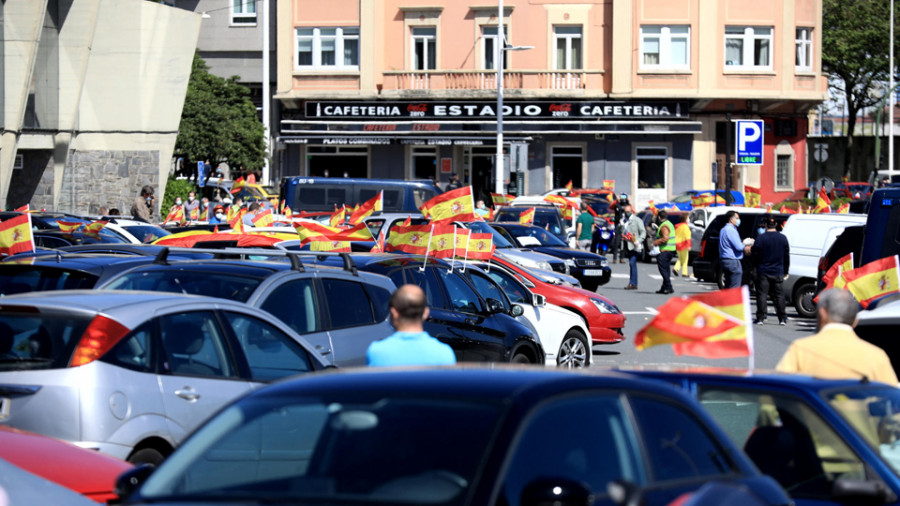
107, 178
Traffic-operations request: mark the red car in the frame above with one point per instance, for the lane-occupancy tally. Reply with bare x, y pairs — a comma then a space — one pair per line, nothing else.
90, 473
604, 320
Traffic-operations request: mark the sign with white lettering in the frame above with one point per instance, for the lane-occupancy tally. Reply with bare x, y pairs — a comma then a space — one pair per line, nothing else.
749, 142
487, 110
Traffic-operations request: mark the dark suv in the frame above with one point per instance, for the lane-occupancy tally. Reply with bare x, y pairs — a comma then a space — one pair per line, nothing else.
707, 264
338, 310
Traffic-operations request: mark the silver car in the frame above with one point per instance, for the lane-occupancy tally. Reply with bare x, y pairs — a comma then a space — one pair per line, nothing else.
132, 373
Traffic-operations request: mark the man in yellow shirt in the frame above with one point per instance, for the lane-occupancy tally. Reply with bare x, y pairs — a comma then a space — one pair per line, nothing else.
836, 351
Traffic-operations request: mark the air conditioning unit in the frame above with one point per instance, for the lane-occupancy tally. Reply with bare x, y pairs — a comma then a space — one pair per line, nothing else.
19, 163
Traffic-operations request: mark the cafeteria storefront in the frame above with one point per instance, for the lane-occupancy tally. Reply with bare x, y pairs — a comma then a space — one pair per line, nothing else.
646, 147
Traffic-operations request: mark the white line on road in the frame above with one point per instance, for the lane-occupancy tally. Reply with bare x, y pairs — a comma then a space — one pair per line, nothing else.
649, 310
622, 276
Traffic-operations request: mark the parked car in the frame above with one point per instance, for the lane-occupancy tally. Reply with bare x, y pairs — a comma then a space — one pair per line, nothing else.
850, 240
131, 374
808, 235
143, 233
707, 266
54, 239
591, 270
492, 436
89, 473
563, 335
857, 189
18, 486
604, 319
323, 193
545, 216
478, 328
339, 311
882, 238
698, 219
825, 441
879, 326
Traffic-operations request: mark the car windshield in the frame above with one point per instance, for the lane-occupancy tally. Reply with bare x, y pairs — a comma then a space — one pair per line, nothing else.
874, 411
225, 285
543, 217
38, 340
349, 447
683, 198
147, 233
543, 237
483, 228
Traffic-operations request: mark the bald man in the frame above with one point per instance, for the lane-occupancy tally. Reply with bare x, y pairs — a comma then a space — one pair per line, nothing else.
410, 344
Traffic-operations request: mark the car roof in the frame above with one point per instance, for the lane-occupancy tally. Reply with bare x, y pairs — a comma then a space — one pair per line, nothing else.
797, 381
89, 262
108, 301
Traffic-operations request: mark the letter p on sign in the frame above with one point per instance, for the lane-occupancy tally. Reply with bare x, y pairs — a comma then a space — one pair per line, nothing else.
749, 142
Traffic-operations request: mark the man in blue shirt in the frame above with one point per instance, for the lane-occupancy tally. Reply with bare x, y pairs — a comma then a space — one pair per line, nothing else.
410, 344
731, 250
771, 253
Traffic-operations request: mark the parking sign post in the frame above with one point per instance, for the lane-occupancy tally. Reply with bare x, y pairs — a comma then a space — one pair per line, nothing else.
749, 142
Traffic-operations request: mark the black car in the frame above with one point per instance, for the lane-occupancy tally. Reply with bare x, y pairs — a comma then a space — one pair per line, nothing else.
591, 269
545, 216
707, 264
849, 241
457, 436
478, 329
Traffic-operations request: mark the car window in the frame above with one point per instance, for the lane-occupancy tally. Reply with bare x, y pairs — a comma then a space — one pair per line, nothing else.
785, 438
294, 303
605, 453
460, 295
135, 350
212, 284
348, 304
194, 345
421, 195
487, 288
511, 288
270, 353
392, 199
44, 341
426, 281
680, 448
380, 299
22, 279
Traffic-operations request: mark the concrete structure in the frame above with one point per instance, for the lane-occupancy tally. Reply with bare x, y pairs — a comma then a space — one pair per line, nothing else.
640, 92
92, 98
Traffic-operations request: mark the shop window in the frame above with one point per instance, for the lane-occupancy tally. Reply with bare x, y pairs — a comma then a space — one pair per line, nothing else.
651, 167
423, 163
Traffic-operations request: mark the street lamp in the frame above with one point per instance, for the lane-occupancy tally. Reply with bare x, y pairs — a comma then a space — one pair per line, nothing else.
501, 45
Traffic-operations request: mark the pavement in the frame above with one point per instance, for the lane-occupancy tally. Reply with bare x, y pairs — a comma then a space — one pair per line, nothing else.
769, 343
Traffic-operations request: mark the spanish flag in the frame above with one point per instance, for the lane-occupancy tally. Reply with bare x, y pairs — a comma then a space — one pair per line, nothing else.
176, 215
823, 203
557, 199
751, 196
338, 217
833, 277
768, 208
844, 208
443, 241
22, 209
407, 221
238, 184
93, 229
412, 239
15, 235
379, 244
709, 325
499, 199
263, 218
204, 216
371, 206
68, 227
452, 205
874, 280
320, 243
527, 216
195, 214
237, 221
701, 200
358, 232
287, 211
480, 246
569, 186
787, 210
307, 230
462, 242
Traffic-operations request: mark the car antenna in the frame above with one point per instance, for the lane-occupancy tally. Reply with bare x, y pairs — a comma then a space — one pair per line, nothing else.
58, 256
162, 257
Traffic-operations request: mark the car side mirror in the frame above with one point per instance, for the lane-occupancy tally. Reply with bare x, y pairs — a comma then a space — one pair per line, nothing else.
516, 310
494, 306
860, 492
131, 480
538, 300
556, 491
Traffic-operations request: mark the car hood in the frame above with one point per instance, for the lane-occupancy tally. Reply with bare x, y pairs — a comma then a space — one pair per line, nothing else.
566, 252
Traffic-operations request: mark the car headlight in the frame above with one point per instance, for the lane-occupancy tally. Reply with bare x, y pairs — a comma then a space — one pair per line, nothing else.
570, 262
604, 306
604, 263
544, 265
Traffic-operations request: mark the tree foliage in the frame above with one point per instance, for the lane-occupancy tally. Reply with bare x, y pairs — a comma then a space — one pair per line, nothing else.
219, 123
855, 47
175, 188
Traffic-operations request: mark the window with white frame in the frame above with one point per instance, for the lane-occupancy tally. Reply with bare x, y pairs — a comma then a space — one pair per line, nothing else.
665, 46
651, 167
567, 40
803, 44
490, 42
748, 47
424, 47
243, 12
784, 166
328, 48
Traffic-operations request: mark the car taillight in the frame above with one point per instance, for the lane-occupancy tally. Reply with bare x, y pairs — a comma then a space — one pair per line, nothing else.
823, 263
702, 248
101, 335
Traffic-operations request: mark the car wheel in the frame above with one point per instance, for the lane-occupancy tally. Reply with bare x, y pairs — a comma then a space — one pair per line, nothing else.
520, 358
720, 278
803, 299
147, 456
573, 352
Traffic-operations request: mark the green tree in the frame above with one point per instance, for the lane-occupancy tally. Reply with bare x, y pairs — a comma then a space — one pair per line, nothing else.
219, 123
855, 47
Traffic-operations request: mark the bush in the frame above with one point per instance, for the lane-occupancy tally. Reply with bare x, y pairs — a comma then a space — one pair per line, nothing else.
175, 188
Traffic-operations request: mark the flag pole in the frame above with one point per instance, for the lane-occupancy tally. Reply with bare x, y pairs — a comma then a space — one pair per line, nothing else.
427, 249
453, 256
466, 254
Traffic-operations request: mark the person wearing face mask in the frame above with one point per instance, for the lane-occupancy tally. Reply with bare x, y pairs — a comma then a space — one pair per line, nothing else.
633, 239
142, 207
192, 207
218, 215
665, 239
771, 254
731, 250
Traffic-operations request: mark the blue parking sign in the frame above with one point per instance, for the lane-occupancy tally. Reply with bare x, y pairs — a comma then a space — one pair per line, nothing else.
749, 142
201, 174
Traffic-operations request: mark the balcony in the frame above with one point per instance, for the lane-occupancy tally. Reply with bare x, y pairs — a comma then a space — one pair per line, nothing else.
454, 82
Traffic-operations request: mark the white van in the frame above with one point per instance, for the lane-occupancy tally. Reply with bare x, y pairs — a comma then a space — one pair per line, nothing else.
809, 235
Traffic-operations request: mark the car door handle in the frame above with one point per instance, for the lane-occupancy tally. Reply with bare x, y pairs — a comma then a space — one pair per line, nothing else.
471, 321
322, 350
188, 394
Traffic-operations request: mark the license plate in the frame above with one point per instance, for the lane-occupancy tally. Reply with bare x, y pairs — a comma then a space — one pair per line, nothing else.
5, 402
593, 272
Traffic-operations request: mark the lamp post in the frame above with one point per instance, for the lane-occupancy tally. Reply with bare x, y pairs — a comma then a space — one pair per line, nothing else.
501, 46
892, 101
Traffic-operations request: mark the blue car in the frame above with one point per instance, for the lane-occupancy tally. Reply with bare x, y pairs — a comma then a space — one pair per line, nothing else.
825, 441
683, 200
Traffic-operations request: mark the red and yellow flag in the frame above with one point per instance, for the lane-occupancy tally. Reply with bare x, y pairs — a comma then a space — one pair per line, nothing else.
500, 199
708, 325
93, 229
238, 184
409, 239
768, 208
287, 211
204, 215
844, 208
22, 209
307, 230
358, 232
263, 218
569, 186
320, 243
787, 210
408, 221
751, 196
873, 280
15, 235
823, 203
237, 221
195, 214
480, 246
833, 277
68, 227
379, 244
176, 215
527, 216
338, 217
443, 241
452, 205
371, 206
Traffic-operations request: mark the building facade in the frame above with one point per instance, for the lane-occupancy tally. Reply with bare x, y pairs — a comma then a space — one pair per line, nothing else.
642, 93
